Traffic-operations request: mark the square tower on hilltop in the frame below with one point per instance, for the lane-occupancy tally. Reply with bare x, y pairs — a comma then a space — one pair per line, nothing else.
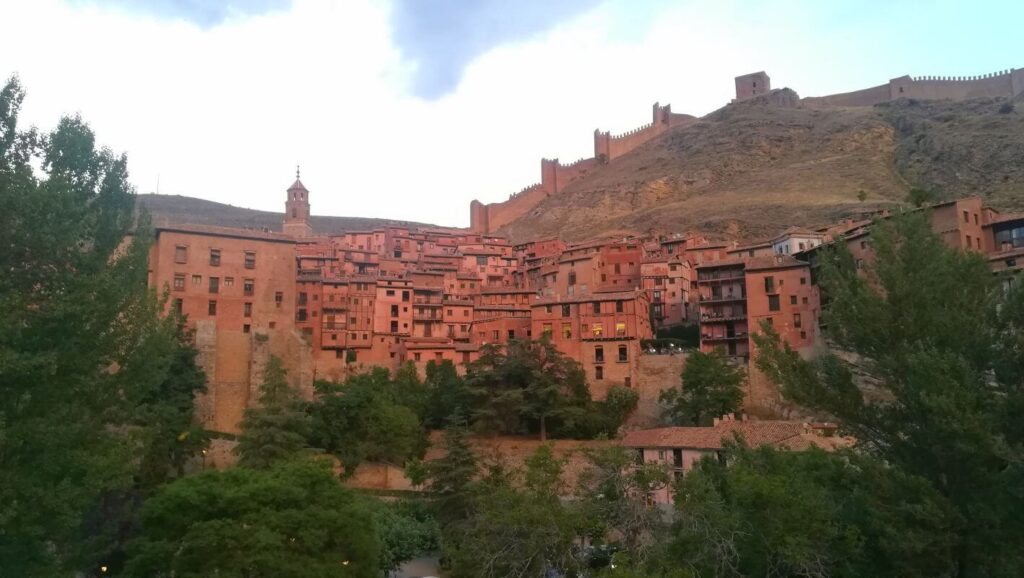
751, 85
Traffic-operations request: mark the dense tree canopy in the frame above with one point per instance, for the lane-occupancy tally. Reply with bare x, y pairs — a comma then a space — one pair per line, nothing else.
290, 520
712, 387
88, 393
276, 429
939, 336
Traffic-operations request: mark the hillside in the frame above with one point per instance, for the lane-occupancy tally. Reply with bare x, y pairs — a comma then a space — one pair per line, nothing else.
753, 168
179, 210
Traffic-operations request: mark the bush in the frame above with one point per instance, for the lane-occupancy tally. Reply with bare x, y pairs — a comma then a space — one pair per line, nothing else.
1006, 108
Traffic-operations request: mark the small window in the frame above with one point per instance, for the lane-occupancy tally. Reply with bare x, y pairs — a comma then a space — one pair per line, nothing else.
229, 281
300, 315
803, 280
623, 353
394, 327
247, 310
211, 308
792, 299
250, 259
967, 218
179, 282
628, 381
405, 296
566, 310
599, 372
769, 284
181, 254
394, 310
599, 354
620, 329
599, 330
804, 301
197, 279
214, 284
215, 257
511, 333
390, 292
546, 330
619, 306
178, 305
246, 328
796, 320
567, 330
773, 303
597, 307
278, 298
803, 335
416, 356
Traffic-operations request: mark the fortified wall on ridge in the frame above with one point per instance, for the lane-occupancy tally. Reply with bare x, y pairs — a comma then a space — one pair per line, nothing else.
488, 218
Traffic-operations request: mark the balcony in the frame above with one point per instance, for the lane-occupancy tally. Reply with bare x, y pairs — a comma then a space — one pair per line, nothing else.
722, 298
427, 317
431, 301
737, 337
721, 278
720, 318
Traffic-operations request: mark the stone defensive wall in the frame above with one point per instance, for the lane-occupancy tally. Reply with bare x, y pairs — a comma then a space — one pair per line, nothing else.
487, 218
1005, 83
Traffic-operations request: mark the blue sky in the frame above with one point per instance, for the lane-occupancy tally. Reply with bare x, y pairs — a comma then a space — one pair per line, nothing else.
411, 108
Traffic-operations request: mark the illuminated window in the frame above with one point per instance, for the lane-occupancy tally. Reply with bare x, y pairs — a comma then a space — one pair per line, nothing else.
598, 330
620, 329
567, 330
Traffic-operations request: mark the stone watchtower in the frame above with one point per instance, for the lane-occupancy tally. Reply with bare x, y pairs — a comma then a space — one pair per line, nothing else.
751, 85
296, 210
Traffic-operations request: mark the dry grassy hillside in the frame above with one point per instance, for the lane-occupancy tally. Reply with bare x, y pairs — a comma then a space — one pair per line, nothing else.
753, 168
179, 210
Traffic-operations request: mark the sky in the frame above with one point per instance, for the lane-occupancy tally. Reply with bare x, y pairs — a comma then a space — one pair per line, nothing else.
410, 109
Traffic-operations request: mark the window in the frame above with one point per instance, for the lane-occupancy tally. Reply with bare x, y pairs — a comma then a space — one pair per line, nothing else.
177, 306
247, 310
792, 299
303, 298
967, 218
278, 298
272, 324
215, 257
572, 277
769, 284
211, 308
623, 353
657, 295
511, 333
394, 310
214, 284
567, 330
599, 372
597, 307
546, 330
804, 301
494, 335
250, 259
394, 327
229, 281
179, 282
618, 269
628, 381
599, 354
975, 218
803, 335
566, 310
547, 309
968, 241
416, 356
181, 254
773, 303
300, 315
246, 328
390, 292
796, 320
860, 263
598, 330
197, 279
620, 329
405, 296
771, 321
619, 306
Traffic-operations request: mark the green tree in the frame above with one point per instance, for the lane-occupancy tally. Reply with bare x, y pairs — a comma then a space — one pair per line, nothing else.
447, 395
920, 197
82, 343
451, 476
862, 196
612, 495
407, 530
765, 512
517, 532
359, 421
712, 387
529, 380
277, 429
940, 340
291, 520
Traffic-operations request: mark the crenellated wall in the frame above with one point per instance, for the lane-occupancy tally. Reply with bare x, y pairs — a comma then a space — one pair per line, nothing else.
1005, 84
555, 176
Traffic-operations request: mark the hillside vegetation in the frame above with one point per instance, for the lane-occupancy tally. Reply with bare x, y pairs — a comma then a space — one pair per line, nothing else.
753, 168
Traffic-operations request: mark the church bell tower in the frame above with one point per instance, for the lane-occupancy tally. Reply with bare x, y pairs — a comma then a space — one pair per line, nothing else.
296, 210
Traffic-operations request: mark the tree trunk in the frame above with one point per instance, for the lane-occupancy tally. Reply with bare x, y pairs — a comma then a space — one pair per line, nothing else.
543, 429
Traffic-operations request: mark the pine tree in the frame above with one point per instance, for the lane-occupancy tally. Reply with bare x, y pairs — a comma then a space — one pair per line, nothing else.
276, 430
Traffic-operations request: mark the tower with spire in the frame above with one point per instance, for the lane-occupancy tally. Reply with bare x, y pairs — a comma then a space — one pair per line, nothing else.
296, 210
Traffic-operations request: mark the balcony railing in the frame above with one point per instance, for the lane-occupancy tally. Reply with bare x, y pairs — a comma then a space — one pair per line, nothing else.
723, 317
721, 298
737, 336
